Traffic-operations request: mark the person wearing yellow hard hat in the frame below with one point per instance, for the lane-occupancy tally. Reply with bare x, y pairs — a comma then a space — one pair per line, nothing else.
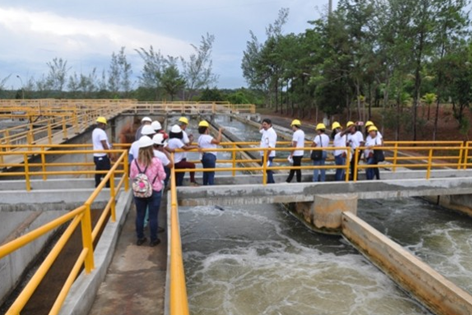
339, 141
176, 142
144, 122
355, 139
100, 142
208, 158
187, 138
296, 156
321, 140
369, 124
373, 154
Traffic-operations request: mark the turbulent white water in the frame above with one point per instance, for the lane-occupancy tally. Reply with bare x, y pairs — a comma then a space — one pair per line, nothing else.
440, 237
261, 260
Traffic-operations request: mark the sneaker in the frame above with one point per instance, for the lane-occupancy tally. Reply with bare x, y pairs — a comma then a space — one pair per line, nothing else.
195, 184
160, 229
141, 241
154, 243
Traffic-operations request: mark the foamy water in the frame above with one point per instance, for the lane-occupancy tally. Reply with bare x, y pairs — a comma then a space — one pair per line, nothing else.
261, 260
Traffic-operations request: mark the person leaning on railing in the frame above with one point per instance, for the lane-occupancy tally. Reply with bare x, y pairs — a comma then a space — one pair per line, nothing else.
320, 140
372, 141
151, 166
368, 124
100, 142
355, 139
298, 141
162, 155
339, 140
205, 141
176, 142
268, 140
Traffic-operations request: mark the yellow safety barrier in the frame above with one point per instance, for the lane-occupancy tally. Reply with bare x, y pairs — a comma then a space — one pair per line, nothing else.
80, 215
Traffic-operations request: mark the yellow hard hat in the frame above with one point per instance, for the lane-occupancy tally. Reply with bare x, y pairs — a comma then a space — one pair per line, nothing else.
296, 122
349, 124
368, 124
203, 123
336, 125
373, 128
101, 120
183, 120
320, 126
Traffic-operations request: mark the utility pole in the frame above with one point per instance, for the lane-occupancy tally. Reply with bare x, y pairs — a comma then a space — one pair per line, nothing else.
22, 87
330, 9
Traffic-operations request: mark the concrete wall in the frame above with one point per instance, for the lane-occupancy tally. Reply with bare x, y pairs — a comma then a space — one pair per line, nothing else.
428, 286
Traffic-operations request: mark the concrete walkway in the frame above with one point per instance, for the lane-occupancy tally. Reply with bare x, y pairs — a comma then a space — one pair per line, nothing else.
135, 281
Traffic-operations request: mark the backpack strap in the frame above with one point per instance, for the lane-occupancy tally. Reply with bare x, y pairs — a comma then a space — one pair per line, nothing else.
139, 170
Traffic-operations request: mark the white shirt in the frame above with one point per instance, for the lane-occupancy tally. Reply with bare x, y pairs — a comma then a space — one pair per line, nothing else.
204, 142
321, 140
339, 142
269, 140
185, 140
162, 156
173, 144
299, 137
372, 142
98, 135
355, 139
134, 149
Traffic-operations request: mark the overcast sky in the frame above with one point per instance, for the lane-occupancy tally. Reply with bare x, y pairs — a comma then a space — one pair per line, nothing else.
85, 33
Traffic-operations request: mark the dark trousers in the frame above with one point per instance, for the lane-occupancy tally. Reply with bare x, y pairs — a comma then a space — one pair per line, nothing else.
270, 174
353, 163
167, 170
180, 176
152, 204
297, 161
209, 161
102, 163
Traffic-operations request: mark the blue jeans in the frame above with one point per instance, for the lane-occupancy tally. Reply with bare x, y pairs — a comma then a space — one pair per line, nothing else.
270, 174
167, 170
209, 161
322, 171
153, 204
340, 172
371, 172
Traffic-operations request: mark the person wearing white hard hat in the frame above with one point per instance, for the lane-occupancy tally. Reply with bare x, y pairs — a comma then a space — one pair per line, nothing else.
162, 155
321, 140
148, 131
206, 141
372, 142
152, 167
296, 156
339, 141
355, 139
144, 122
176, 142
100, 142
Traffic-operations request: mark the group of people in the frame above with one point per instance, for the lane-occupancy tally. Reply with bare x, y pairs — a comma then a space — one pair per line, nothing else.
150, 162
350, 137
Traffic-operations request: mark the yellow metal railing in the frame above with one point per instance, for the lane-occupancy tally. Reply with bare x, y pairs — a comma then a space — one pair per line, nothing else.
82, 216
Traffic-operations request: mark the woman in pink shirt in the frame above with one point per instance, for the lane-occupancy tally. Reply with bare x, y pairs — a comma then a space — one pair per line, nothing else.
151, 166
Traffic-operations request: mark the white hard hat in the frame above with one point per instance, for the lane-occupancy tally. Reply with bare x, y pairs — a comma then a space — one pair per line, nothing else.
144, 142
147, 130
156, 125
176, 129
146, 119
158, 139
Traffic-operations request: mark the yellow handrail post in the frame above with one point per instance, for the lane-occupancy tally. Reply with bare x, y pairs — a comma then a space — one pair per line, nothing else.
113, 195
264, 167
356, 161
27, 175
126, 170
466, 156
76, 123
395, 155
49, 132
87, 238
430, 161
460, 158
43, 163
213, 109
30, 137
234, 160
348, 158
64, 128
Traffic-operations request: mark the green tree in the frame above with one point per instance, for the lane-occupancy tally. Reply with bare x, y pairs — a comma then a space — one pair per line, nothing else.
171, 80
